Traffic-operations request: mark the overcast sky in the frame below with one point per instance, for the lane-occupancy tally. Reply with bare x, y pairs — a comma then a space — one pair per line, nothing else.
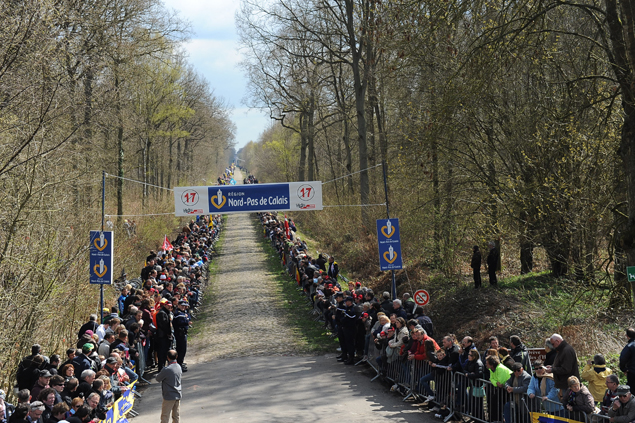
213, 52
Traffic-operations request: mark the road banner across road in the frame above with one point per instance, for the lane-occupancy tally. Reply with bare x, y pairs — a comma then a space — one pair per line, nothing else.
293, 196
101, 257
389, 243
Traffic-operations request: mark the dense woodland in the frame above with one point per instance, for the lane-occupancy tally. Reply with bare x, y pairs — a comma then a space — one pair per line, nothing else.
498, 120
86, 87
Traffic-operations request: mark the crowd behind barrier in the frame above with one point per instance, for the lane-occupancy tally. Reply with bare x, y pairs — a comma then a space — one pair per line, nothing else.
454, 379
97, 379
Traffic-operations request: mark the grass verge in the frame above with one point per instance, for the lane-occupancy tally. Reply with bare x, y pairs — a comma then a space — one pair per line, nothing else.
313, 336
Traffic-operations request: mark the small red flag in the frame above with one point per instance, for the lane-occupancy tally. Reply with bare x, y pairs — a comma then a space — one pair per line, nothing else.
166, 245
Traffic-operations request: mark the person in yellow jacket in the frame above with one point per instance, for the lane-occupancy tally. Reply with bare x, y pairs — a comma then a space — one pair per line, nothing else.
595, 372
498, 376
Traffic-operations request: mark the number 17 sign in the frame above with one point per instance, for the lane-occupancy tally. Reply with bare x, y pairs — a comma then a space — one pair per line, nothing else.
248, 198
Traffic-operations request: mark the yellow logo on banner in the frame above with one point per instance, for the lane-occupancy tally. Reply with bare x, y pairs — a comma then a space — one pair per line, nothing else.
96, 269
548, 418
387, 255
219, 200
97, 244
392, 231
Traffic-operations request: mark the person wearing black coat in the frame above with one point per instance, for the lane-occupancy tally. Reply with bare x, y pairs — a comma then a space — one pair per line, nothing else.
333, 269
163, 336
627, 359
90, 325
473, 372
320, 262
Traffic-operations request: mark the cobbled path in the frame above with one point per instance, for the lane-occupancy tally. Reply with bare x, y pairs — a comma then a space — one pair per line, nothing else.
243, 315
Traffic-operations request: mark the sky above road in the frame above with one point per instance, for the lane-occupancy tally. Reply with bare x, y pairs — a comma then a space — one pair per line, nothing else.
213, 51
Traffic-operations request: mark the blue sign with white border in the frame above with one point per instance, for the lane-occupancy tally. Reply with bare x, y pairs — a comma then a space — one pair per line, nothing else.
101, 257
292, 196
389, 242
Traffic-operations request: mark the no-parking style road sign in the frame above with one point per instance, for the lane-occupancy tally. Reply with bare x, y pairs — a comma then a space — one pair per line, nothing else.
101, 257
421, 297
389, 244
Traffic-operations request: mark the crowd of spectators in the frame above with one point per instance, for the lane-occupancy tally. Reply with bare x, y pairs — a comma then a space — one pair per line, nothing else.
496, 384
131, 337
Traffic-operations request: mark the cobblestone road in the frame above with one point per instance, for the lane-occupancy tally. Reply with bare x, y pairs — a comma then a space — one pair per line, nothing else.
243, 313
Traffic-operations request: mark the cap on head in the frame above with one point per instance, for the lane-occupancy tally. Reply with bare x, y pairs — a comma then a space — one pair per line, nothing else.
623, 390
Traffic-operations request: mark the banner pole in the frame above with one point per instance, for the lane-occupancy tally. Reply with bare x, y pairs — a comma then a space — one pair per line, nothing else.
103, 217
385, 172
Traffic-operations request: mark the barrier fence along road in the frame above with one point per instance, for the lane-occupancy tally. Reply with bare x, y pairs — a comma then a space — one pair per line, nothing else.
454, 394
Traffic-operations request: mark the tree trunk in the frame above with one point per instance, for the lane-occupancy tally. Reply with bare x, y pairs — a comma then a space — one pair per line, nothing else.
303, 142
359, 85
120, 151
310, 135
436, 203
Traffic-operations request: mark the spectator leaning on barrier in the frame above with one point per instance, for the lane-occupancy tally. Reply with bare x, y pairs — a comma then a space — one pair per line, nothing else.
627, 358
623, 409
517, 385
612, 383
498, 376
577, 400
596, 372
542, 387
565, 364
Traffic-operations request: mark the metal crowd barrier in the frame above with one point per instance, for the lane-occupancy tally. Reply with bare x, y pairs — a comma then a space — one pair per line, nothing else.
599, 418
461, 396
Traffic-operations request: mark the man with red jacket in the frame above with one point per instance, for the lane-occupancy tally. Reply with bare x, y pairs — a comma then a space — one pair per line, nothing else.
418, 349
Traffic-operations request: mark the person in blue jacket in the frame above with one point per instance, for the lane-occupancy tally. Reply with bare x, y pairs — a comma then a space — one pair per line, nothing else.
627, 359
543, 389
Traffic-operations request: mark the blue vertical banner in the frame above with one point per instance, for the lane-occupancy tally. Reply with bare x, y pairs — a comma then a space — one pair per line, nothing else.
101, 257
389, 242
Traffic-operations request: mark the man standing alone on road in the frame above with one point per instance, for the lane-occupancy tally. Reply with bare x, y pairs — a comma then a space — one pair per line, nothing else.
170, 378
